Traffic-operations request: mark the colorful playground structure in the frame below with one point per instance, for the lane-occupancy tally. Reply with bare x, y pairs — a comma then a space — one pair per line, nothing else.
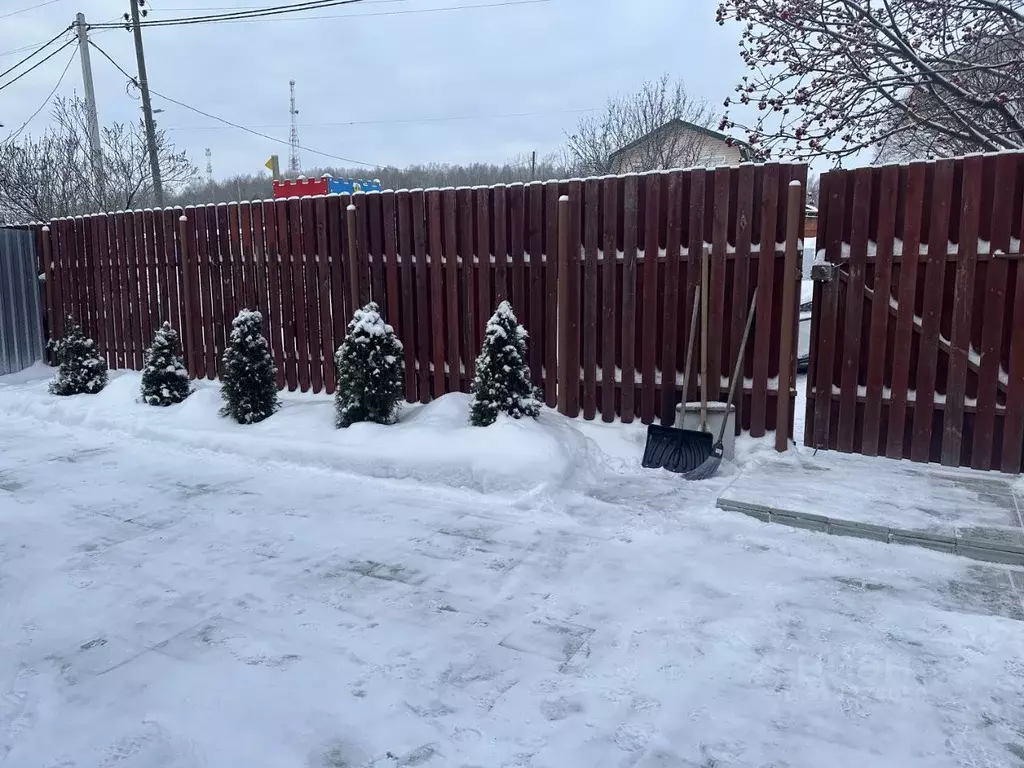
301, 187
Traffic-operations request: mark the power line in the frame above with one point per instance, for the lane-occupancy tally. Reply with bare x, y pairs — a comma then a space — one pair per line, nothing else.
36, 65
394, 121
244, 18
228, 122
306, 5
37, 51
30, 8
46, 101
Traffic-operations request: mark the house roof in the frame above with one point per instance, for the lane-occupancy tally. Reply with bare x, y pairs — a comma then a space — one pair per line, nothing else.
745, 149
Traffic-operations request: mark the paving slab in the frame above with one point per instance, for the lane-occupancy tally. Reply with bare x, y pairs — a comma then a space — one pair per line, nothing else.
961, 511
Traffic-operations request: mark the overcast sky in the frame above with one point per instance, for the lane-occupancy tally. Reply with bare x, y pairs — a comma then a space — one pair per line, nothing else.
378, 81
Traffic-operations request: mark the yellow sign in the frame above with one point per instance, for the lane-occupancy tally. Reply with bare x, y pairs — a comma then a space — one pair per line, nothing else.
269, 165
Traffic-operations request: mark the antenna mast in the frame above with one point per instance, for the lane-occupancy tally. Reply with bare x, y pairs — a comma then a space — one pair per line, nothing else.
209, 165
294, 166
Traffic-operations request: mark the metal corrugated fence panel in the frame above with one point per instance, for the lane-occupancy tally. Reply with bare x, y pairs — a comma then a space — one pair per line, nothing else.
21, 314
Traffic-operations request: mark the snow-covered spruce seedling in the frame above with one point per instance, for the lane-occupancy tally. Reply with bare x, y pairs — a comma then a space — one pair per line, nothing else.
502, 383
248, 381
369, 364
164, 377
80, 368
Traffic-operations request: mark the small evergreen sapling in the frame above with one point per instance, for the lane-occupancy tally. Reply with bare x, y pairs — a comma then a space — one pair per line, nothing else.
502, 383
369, 364
248, 380
80, 368
164, 377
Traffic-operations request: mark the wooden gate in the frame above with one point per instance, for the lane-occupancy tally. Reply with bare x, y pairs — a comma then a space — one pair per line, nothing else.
917, 332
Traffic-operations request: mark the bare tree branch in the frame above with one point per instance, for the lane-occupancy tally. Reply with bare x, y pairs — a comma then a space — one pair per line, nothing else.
906, 78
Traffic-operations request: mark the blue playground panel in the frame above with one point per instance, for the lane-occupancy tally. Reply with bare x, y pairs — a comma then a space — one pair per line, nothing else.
348, 186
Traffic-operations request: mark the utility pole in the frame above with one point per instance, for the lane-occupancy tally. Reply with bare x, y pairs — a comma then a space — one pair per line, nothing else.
209, 165
294, 164
95, 150
533, 165
147, 106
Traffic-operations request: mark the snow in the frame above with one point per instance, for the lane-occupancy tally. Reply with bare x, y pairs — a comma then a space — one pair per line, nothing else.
177, 590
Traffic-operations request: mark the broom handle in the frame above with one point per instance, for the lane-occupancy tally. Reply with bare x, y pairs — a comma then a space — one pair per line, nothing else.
704, 340
738, 372
689, 345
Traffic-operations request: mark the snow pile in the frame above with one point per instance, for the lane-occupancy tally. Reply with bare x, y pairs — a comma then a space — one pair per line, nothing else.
432, 443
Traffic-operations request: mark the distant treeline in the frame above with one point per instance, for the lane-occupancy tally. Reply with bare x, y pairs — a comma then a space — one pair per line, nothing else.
259, 187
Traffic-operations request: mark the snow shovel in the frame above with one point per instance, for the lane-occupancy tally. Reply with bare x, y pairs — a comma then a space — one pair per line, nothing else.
678, 450
710, 465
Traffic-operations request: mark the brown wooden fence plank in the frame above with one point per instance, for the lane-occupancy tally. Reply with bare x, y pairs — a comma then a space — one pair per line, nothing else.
610, 296
963, 297
699, 179
99, 289
232, 263
144, 258
935, 269
275, 322
453, 319
992, 314
207, 355
289, 292
719, 324
172, 268
1013, 423
216, 220
191, 331
435, 263
408, 325
857, 265
825, 351
245, 251
499, 225
765, 283
323, 289
464, 216
109, 295
551, 294
630, 195
575, 309
313, 343
517, 225
155, 247
252, 215
375, 237
55, 276
915, 201
134, 253
878, 335
124, 294
670, 332
534, 238
591, 213
300, 314
649, 308
741, 274
336, 239
393, 310
80, 308
419, 237
483, 267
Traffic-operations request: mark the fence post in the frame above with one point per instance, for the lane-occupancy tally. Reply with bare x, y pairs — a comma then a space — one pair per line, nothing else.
562, 351
353, 259
49, 325
789, 314
186, 281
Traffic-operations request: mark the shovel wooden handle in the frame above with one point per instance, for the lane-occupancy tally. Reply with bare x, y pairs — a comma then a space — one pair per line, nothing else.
704, 340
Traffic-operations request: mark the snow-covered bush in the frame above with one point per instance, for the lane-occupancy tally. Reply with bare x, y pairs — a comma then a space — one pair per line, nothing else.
164, 377
502, 383
369, 364
248, 380
80, 368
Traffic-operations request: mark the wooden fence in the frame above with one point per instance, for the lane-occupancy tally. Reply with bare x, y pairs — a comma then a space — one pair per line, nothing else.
438, 262
918, 338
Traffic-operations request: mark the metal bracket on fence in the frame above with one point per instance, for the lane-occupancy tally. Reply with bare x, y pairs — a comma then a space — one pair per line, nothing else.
823, 271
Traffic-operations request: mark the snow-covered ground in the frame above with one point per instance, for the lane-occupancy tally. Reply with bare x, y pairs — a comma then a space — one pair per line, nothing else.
176, 590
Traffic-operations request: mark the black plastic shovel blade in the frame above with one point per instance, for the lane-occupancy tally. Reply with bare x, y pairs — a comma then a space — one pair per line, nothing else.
677, 450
